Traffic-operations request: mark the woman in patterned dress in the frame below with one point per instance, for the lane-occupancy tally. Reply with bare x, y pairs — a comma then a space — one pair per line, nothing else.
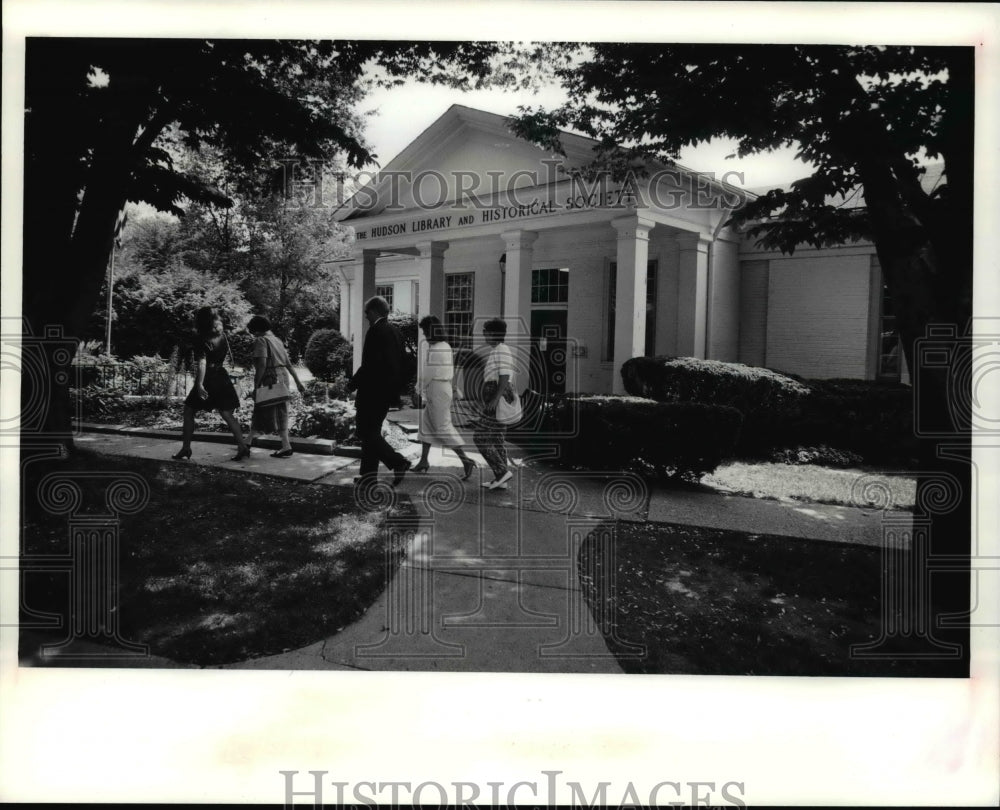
269, 353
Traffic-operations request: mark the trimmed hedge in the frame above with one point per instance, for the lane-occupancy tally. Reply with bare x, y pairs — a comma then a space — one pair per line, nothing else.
782, 413
619, 432
329, 353
768, 400
688, 379
871, 419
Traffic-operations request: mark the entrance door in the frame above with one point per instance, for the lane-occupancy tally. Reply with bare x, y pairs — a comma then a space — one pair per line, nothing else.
548, 350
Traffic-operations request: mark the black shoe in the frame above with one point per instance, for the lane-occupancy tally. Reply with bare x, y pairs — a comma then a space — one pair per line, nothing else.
282, 454
400, 471
182, 454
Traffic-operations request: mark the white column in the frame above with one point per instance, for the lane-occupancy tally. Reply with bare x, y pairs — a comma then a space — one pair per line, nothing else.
517, 281
630, 292
430, 270
345, 306
692, 295
362, 288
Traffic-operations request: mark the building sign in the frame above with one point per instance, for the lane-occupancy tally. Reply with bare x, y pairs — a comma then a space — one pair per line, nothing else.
621, 199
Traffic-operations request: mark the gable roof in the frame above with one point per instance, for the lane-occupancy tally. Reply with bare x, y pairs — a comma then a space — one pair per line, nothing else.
455, 121
442, 147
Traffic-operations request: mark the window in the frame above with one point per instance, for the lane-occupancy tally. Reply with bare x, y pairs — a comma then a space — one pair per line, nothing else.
458, 298
888, 340
550, 286
650, 347
386, 291
416, 298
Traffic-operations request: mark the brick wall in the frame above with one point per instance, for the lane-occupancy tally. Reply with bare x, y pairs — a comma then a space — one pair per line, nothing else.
724, 303
817, 316
753, 312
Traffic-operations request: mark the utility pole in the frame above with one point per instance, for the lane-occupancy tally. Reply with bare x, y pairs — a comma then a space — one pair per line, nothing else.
111, 291
117, 243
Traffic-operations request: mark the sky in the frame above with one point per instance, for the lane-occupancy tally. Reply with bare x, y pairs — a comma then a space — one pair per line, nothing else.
402, 113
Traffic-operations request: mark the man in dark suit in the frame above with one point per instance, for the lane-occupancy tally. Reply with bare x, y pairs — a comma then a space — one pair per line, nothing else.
378, 383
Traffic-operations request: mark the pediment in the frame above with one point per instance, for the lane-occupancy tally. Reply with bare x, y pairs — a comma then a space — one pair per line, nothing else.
464, 152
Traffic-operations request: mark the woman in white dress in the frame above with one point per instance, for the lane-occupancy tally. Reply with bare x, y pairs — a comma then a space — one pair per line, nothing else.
436, 392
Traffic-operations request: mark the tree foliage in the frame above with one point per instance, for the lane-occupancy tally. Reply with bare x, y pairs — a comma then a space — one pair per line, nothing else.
864, 117
103, 119
154, 312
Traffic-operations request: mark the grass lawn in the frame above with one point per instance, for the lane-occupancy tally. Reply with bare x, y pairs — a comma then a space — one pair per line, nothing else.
221, 566
712, 602
807, 482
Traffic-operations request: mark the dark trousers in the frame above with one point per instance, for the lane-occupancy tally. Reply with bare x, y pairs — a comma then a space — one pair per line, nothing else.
374, 448
490, 438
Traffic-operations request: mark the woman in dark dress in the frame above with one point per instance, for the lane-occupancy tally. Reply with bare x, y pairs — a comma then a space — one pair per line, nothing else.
213, 390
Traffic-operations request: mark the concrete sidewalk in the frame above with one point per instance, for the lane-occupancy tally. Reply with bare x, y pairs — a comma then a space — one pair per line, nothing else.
490, 580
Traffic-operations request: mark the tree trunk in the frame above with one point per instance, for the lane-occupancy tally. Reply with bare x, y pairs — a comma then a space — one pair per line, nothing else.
933, 323
63, 274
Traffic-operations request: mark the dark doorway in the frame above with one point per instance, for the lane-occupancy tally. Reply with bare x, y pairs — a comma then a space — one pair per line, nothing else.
548, 351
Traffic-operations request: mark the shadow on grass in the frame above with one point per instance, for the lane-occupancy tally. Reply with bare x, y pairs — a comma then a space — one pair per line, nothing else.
713, 602
219, 567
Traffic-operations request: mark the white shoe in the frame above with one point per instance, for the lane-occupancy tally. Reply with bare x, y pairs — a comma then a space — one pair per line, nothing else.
501, 482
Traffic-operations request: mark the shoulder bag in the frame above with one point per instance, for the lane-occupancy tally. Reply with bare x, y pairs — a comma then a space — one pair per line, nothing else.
509, 412
271, 391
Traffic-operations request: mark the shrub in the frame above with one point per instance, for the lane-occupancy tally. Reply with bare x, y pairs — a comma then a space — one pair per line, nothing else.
671, 438
307, 312
408, 327
322, 391
767, 399
471, 364
688, 379
329, 353
142, 375
329, 420
241, 345
871, 419
822, 455
97, 402
146, 364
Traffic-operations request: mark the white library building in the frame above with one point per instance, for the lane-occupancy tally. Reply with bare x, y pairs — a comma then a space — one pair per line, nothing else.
470, 223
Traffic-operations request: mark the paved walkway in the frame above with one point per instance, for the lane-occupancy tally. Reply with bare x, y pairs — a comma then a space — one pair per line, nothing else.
490, 581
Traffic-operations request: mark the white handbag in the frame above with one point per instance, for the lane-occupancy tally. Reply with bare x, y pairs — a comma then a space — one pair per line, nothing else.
509, 413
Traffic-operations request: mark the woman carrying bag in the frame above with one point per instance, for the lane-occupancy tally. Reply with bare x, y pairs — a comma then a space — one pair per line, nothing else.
271, 385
